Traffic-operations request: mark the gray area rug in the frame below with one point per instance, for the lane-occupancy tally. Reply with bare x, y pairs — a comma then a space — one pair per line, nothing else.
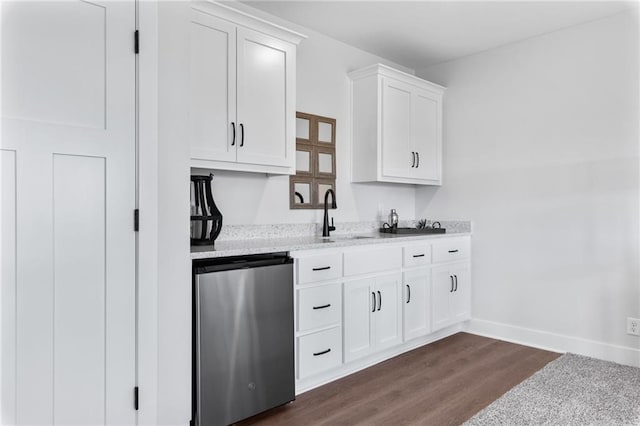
571, 390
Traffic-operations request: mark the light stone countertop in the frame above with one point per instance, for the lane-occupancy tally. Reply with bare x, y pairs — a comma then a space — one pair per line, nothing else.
227, 248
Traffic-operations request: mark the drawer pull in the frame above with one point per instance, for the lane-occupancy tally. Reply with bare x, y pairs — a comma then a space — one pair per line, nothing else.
322, 352
324, 268
453, 251
322, 307
418, 255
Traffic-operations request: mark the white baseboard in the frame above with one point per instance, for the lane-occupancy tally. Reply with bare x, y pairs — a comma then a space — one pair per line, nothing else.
554, 342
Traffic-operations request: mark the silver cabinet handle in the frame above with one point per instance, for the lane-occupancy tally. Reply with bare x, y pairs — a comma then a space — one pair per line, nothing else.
374, 302
418, 157
379, 301
456, 280
408, 293
451, 290
413, 159
242, 135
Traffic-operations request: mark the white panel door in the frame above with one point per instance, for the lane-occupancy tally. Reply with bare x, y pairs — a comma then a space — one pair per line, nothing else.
266, 99
68, 117
212, 82
397, 152
417, 303
425, 113
441, 290
358, 304
388, 314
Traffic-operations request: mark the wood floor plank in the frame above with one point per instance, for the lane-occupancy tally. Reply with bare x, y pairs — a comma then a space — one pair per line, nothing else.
443, 383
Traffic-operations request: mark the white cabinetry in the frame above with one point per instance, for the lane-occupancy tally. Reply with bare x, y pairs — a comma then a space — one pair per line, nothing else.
416, 302
319, 306
451, 285
319, 352
371, 315
451, 295
397, 127
416, 319
359, 305
318, 312
242, 92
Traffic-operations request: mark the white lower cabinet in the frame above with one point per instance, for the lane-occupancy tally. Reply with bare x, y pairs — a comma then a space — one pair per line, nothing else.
358, 305
451, 295
372, 315
319, 352
416, 303
319, 306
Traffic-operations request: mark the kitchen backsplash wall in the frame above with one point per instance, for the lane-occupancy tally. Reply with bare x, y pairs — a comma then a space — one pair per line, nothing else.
323, 89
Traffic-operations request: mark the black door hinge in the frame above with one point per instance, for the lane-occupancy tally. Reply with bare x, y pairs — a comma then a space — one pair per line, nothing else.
135, 398
136, 220
136, 42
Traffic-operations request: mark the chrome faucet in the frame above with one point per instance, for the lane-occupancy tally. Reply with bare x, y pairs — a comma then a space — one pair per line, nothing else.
325, 225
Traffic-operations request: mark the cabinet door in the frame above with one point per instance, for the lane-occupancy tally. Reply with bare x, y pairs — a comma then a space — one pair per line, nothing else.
358, 305
397, 156
425, 120
388, 316
212, 85
461, 296
441, 290
266, 99
416, 303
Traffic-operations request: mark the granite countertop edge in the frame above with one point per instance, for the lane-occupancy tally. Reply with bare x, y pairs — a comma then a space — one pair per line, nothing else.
274, 245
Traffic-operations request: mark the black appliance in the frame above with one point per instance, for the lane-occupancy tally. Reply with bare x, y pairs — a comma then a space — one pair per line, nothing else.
206, 219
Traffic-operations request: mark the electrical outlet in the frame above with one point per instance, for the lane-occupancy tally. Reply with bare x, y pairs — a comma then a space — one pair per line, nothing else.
633, 326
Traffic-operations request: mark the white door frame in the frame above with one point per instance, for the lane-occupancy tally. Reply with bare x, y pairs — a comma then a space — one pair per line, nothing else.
147, 241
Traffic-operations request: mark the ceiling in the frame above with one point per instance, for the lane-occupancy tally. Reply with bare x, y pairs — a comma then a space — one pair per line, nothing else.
417, 34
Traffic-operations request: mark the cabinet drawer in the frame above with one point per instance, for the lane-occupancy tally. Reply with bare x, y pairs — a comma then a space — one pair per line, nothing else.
319, 306
319, 268
319, 352
372, 260
450, 250
417, 255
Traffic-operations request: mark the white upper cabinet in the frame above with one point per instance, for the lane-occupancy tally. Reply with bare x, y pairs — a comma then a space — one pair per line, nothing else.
396, 128
242, 92
212, 84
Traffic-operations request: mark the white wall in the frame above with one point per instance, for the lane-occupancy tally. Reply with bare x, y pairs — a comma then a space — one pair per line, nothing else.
323, 89
541, 152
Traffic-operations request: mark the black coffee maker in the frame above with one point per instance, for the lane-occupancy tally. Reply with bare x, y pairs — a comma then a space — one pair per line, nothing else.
206, 219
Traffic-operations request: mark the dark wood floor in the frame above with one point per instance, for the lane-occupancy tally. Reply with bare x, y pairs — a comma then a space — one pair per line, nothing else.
443, 383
